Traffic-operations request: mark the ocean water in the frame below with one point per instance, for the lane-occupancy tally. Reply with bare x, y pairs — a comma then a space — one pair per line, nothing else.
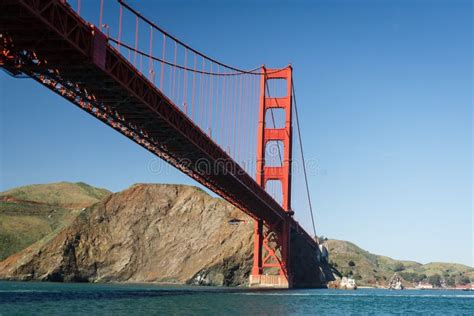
20, 298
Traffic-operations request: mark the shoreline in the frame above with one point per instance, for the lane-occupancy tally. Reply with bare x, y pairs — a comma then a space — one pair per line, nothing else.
242, 287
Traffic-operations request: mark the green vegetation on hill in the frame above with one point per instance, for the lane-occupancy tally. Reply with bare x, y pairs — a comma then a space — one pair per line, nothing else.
372, 270
32, 212
64, 194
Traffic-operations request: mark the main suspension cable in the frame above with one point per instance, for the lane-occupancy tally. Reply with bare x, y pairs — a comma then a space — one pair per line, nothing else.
153, 25
302, 157
161, 60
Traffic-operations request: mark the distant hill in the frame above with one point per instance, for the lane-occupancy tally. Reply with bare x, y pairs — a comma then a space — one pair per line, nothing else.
29, 213
371, 270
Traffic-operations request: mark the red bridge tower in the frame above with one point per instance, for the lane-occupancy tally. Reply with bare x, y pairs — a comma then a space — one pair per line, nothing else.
271, 259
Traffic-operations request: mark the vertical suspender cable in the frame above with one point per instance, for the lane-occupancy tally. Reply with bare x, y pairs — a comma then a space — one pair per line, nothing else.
248, 121
230, 110
201, 94
239, 124
216, 95
243, 134
302, 157
253, 127
234, 100
186, 81
194, 85
120, 26
150, 60
178, 87
173, 73
174, 68
223, 112
162, 63
101, 14
210, 102
136, 42
204, 103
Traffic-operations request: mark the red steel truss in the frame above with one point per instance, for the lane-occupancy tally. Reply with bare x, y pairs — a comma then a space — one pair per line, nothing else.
49, 42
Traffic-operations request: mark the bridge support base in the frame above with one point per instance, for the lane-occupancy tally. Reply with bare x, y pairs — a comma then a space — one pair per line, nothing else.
269, 281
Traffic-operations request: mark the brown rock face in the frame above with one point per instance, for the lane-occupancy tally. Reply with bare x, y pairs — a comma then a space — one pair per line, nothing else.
147, 233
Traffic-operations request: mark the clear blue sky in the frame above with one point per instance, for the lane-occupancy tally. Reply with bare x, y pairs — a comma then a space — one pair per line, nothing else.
385, 97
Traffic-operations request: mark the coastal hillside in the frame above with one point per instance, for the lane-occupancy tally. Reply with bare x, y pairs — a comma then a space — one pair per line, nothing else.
150, 233
33, 212
374, 270
166, 233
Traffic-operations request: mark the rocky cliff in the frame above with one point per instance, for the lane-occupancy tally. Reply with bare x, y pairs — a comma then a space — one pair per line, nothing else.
155, 233
147, 233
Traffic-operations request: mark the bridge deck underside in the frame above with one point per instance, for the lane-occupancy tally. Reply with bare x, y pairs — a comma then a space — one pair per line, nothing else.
121, 97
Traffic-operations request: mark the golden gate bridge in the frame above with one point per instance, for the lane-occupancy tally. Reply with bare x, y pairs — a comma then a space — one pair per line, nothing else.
230, 129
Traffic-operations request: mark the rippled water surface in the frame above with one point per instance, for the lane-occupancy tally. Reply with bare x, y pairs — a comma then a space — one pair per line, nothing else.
124, 299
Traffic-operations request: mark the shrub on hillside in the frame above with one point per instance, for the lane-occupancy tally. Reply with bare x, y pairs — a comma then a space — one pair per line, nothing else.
464, 280
435, 280
399, 267
451, 281
413, 276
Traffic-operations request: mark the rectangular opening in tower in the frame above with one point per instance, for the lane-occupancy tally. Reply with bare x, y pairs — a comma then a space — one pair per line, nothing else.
274, 153
275, 118
276, 88
274, 188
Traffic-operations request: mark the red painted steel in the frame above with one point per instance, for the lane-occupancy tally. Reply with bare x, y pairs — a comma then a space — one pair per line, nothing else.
265, 253
48, 41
